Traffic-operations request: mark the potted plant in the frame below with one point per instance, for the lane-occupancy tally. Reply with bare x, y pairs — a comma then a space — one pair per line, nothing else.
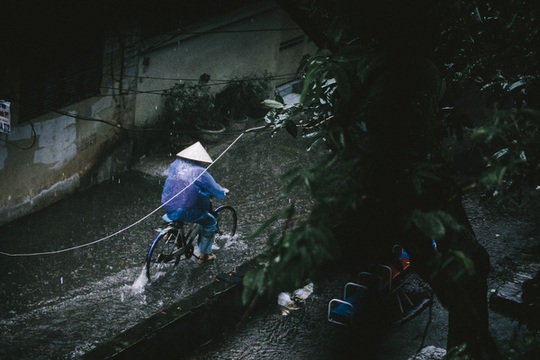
210, 130
241, 99
189, 109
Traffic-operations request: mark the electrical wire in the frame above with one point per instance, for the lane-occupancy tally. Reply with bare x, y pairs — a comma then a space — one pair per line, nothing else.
214, 82
141, 219
173, 35
122, 126
231, 31
133, 42
136, 55
138, 128
34, 139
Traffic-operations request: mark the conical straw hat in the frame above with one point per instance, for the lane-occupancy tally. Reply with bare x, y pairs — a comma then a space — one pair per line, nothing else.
195, 152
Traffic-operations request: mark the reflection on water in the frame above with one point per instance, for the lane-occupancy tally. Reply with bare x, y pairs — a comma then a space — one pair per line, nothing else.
511, 236
62, 305
76, 321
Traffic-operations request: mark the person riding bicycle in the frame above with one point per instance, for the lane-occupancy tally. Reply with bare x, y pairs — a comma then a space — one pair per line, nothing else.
186, 195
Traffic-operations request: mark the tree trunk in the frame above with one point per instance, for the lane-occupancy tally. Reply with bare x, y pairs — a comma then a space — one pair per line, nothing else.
401, 125
398, 104
457, 273
457, 270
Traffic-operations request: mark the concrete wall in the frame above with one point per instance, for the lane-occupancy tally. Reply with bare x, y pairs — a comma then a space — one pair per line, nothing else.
243, 43
56, 154
74, 148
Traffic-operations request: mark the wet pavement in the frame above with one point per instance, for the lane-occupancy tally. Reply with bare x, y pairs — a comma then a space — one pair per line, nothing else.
64, 304
511, 235
78, 280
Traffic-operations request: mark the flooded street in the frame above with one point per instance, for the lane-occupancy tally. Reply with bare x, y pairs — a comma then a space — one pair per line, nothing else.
90, 287
63, 303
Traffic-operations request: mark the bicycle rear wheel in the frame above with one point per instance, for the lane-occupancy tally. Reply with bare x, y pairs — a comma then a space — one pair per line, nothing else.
226, 224
162, 252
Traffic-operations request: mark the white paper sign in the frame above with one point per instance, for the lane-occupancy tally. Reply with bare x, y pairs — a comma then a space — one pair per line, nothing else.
5, 117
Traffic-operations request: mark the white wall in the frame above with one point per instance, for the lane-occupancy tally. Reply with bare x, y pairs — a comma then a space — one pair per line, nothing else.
56, 154
242, 43
71, 152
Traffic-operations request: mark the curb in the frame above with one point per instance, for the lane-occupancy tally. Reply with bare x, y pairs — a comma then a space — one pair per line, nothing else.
508, 300
185, 325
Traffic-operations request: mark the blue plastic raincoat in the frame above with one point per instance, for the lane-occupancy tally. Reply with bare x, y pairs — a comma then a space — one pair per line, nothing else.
194, 202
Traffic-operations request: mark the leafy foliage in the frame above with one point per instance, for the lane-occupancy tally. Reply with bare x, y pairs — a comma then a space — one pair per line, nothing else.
513, 168
292, 257
186, 103
458, 353
373, 96
498, 52
242, 96
434, 223
297, 249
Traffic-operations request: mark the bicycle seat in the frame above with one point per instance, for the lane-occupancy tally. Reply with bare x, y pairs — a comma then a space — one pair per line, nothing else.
167, 219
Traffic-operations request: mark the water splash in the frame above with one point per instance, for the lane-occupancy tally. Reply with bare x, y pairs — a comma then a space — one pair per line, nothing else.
235, 242
138, 286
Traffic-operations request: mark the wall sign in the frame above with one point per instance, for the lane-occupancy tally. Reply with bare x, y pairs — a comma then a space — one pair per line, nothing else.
5, 117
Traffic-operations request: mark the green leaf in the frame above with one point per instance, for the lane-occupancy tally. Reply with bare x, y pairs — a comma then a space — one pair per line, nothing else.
335, 30
435, 223
291, 128
365, 67
429, 223
349, 54
493, 177
272, 104
501, 153
311, 76
342, 79
449, 221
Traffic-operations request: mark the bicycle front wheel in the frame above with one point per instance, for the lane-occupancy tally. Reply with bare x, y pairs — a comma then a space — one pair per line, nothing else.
162, 252
226, 224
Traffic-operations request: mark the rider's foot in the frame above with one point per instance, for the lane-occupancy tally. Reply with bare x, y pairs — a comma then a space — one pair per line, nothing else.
203, 258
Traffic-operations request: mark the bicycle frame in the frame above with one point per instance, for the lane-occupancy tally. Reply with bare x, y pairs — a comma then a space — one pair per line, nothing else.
180, 226
176, 238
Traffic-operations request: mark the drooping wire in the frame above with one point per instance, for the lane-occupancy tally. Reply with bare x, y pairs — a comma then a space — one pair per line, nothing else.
141, 219
122, 126
34, 139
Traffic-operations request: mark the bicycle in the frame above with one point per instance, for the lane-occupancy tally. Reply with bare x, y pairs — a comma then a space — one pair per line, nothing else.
175, 238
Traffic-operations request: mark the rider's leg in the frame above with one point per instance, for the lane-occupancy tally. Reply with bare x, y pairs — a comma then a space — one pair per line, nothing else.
208, 231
